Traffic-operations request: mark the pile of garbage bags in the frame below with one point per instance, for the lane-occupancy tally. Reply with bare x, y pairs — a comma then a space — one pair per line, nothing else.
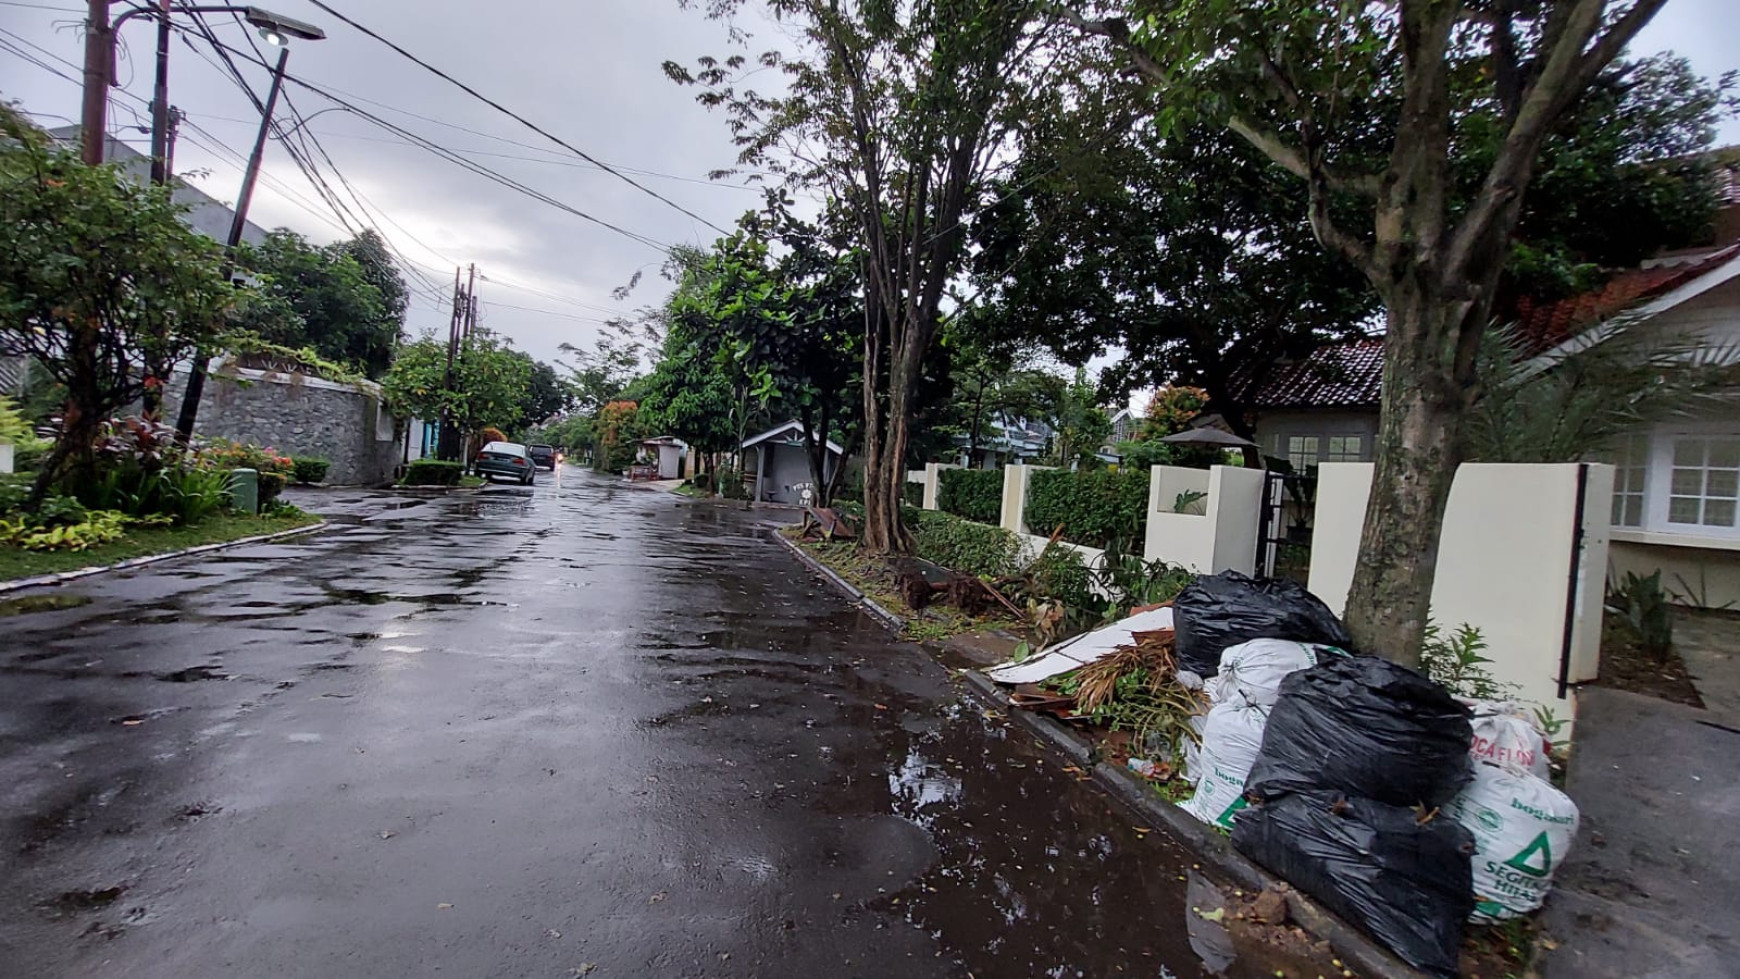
1361, 782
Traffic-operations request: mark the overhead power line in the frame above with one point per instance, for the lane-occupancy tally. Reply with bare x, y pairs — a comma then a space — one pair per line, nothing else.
522, 120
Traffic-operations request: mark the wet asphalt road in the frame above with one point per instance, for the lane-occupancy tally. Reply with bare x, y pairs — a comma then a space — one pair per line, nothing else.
583, 729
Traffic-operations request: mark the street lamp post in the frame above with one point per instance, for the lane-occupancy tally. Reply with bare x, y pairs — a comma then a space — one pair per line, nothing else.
276, 30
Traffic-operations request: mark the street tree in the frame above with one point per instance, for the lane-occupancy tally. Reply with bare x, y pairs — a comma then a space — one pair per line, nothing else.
488, 383
897, 112
1372, 106
100, 284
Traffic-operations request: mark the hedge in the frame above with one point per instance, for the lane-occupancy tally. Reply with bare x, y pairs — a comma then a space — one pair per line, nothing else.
433, 472
1094, 507
963, 545
308, 469
976, 494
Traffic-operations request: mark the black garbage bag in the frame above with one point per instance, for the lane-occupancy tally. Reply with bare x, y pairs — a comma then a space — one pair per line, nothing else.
1408, 885
1223, 610
1367, 727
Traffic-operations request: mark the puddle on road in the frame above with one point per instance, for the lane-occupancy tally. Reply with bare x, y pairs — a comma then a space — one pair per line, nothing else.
41, 603
193, 674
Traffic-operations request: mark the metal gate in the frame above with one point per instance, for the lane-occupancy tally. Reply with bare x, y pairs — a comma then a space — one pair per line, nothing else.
1284, 529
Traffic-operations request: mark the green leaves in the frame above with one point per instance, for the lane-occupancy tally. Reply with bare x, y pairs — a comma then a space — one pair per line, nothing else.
490, 380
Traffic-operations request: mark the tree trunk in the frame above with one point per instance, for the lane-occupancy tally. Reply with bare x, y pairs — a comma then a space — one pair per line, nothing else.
72, 461
885, 457
1426, 388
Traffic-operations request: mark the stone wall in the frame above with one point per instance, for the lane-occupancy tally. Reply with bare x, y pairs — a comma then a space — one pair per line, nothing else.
301, 416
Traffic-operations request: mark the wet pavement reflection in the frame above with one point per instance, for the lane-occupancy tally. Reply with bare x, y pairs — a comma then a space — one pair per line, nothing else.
579, 729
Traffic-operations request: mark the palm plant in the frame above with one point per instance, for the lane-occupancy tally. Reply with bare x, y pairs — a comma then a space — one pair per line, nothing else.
1571, 405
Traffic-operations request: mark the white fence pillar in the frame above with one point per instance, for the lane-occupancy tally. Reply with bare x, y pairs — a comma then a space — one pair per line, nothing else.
1511, 562
1014, 513
1216, 531
933, 483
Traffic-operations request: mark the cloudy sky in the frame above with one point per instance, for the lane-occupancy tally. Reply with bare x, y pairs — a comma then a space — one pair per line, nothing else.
586, 70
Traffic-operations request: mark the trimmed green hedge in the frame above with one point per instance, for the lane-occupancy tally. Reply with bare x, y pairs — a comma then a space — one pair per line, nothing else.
308, 469
1094, 507
433, 472
963, 545
976, 494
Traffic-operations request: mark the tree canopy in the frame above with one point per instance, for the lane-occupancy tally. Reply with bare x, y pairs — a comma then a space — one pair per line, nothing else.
489, 382
345, 301
100, 283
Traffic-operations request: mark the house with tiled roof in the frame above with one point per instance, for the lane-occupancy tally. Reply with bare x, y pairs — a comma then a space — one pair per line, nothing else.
1676, 500
1322, 407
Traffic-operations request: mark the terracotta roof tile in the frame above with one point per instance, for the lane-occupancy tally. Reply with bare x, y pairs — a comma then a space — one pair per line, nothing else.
1335, 375
1544, 326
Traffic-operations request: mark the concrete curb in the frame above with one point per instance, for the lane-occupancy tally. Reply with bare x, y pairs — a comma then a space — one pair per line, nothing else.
61, 578
1351, 945
893, 623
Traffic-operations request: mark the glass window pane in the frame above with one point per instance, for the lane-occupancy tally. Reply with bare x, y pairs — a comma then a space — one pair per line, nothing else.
1355, 445
1689, 452
1682, 509
1722, 483
1688, 482
1633, 516
1724, 454
1718, 513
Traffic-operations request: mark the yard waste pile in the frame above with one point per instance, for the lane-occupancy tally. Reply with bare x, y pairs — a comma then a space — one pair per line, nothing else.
1407, 882
1223, 610
1252, 671
1522, 828
1358, 756
1504, 733
1369, 728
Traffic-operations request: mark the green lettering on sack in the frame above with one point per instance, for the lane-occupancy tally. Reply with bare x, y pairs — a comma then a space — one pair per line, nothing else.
1536, 859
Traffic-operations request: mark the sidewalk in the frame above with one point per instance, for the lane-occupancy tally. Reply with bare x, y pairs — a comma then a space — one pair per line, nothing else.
1652, 888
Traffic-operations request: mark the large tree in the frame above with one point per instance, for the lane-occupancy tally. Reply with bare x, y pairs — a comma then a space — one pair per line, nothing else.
1183, 249
1372, 106
344, 301
897, 112
488, 386
100, 283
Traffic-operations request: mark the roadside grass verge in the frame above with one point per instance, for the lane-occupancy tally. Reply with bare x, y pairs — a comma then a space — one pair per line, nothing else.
145, 541
874, 577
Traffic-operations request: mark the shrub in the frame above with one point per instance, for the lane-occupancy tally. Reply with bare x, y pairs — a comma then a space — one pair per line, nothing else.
223, 454
487, 435
911, 494
92, 528
1642, 604
1097, 508
433, 472
306, 469
965, 546
976, 494
271, 484
1059, 573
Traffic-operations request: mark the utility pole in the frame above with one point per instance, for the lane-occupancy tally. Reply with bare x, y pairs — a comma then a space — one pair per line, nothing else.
238, 223
99, 49
448, 446
160, 102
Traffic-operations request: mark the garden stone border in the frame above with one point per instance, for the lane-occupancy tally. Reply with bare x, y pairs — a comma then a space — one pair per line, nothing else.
62, 577
1358, 951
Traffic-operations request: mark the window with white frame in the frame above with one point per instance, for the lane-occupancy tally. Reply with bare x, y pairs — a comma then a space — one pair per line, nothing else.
1630, 475
1300, 450
1345, 448
1704, 487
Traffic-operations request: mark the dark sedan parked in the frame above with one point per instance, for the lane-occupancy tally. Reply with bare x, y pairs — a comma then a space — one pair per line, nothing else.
509, 459
544, 456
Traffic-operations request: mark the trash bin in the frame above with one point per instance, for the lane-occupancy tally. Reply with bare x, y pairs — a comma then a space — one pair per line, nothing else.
245, 490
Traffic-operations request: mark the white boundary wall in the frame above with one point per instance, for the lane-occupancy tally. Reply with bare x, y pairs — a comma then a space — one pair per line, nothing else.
1504, 564
1223, 537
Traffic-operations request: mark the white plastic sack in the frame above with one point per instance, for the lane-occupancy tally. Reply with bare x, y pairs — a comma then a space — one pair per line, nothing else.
1190, 757
1252, 671
1523, 828
1230, 741
1505, 734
